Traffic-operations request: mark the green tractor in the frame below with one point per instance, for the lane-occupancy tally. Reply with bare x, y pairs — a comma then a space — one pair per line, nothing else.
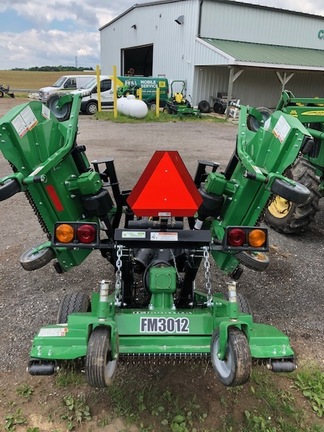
284, 215
156, 237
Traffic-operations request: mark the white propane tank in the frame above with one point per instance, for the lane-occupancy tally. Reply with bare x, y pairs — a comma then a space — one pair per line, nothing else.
137, 108
121, 102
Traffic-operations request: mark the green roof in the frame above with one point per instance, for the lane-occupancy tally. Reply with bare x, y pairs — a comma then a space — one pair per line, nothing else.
263, 54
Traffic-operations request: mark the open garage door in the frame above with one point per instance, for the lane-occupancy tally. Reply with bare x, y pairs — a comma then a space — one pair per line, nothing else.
137, 60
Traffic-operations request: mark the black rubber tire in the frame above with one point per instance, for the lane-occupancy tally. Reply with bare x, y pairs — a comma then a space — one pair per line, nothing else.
298, 194
294, 218
253, 124
72, 303
235, 370
100, 369
204, 106
91, 108
9, 188
243, 304
1, 94
219, 108
33, 261
258, 261
61, 114
151, 106
167, 110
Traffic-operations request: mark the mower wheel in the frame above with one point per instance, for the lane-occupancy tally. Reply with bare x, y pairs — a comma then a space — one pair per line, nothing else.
204, 106
33, 259
298, 194
167, 110
1, 94
63, 113
9, 188
257, 261
253, 123
73, 303
235, 369
100, 369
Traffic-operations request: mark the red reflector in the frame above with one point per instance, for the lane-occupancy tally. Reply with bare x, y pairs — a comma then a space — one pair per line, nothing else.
86, 234
165, 188
236, 237
54, 197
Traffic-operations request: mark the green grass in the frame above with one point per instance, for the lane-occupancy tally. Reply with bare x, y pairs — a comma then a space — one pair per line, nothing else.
32, 80
267, 403
151, 117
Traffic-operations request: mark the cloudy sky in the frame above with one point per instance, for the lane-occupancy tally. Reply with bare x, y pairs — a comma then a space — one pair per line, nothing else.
65, 32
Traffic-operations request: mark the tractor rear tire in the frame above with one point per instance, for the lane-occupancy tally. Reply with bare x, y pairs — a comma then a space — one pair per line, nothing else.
9, 188
288, 217
253, 123
32, 260
100, 369
72, 303
235, 369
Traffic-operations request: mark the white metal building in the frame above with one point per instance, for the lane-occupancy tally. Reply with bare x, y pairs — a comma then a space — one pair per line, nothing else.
249, 52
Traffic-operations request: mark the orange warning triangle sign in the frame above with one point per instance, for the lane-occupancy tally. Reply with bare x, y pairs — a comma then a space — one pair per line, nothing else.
165, 188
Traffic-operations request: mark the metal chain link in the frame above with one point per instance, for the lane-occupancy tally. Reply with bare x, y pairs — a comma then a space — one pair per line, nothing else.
118, 282
207, 276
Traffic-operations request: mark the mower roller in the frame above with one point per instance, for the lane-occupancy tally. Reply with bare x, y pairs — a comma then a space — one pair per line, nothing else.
172, 226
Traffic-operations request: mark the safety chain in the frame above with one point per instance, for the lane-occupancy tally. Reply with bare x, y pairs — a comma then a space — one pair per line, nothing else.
207, 276
118, 282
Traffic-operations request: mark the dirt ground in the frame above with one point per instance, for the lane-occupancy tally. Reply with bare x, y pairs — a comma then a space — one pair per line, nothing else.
289, 295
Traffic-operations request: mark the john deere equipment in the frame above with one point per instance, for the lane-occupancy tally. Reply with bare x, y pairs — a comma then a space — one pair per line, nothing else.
172, 226
177, 103
308, 168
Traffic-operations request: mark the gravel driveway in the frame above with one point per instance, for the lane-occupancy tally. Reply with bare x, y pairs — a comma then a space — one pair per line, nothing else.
288, 295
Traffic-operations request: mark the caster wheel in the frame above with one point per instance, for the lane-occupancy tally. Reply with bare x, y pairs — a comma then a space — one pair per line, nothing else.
235, 369
34, 260
100, 368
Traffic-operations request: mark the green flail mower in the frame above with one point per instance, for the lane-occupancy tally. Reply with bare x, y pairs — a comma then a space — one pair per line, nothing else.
282, 214
156, 237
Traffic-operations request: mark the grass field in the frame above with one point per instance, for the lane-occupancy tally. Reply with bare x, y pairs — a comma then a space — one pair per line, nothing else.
30, 81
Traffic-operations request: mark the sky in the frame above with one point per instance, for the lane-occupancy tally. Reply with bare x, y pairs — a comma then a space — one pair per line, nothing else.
66, 32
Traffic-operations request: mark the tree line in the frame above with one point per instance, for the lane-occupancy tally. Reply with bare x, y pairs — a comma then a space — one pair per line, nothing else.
53, 68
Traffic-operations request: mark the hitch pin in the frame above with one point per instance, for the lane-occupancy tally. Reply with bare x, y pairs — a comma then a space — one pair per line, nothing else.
34, 179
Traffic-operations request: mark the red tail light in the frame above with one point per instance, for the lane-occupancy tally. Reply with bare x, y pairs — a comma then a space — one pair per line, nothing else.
236, 237
76, 234
86, 234
246, 238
